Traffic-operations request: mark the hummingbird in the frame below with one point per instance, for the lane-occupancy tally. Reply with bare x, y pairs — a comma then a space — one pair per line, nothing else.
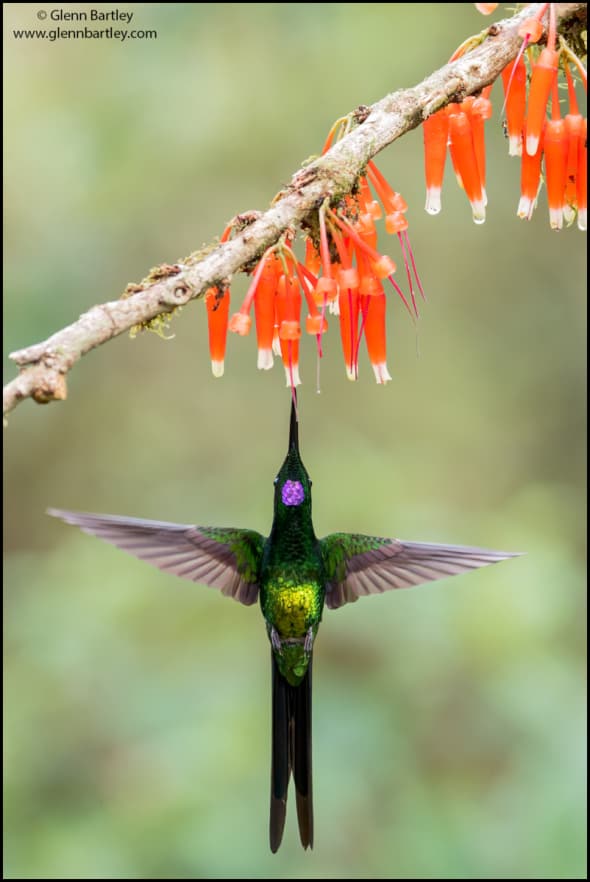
294, 576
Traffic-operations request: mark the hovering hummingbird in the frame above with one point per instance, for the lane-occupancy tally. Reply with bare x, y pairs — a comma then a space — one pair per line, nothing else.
293, 574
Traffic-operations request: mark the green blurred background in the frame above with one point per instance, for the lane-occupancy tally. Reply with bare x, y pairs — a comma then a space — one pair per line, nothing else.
449, 722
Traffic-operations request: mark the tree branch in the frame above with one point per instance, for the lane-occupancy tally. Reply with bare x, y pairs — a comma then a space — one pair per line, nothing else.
43, 366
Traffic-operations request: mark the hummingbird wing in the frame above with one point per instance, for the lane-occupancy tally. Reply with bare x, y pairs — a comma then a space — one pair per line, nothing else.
221, 557
357, 565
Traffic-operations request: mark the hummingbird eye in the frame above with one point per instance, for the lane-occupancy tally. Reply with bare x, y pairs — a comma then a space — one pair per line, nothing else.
276, 480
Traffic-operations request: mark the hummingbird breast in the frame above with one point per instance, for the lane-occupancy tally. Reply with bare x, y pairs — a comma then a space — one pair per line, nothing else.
292, 606
292, 581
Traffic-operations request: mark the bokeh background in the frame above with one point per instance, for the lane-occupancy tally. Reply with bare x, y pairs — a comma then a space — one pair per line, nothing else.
449, 722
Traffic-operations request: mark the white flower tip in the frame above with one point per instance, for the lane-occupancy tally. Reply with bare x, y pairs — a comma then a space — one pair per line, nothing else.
334, 306
217, 368
583, 219
265, 359
478, 210
569, 214
515, 145
382, 375
532, 144
276, 345
433, 200
352, 373
525, 208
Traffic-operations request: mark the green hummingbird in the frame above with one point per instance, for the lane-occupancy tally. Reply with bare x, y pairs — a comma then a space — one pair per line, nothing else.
294, 575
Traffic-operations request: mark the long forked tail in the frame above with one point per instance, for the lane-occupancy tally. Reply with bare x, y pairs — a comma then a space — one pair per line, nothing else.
291, 752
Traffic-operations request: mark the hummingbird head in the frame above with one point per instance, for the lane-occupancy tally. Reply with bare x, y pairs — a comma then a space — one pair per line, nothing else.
293, 484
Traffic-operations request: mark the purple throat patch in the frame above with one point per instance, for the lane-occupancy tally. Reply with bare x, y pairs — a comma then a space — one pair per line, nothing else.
292, 493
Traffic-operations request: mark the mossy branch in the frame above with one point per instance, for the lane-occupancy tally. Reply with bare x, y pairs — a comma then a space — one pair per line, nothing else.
43, 366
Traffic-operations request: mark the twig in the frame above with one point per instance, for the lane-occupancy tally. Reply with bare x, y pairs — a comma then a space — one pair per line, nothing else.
43, 366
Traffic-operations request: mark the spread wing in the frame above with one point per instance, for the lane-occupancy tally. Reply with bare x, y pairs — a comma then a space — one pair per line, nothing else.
223, 558
357, 565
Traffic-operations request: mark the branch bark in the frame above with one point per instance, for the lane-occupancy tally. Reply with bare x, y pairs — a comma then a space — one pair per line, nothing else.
43, 366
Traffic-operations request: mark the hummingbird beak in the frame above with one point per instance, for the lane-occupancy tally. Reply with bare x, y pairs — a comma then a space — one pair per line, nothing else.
294, 426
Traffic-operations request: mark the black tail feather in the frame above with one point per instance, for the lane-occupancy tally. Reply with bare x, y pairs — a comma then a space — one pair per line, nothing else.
280, 771
301, 696
291, 752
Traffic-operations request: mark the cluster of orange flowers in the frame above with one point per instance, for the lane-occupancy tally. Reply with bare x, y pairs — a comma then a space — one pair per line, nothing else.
342, 274
558, 144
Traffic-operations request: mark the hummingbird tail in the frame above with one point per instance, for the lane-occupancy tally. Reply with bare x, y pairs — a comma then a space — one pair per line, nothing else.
291, 752
301, 757
280, 770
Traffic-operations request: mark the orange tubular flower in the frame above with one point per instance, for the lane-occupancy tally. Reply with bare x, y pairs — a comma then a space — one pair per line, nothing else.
343, 268
288, 304
574, 124
369, 284
264, 310
375, 335
395, 222
582, 180
555, 149
313, 261
480, 111
240, 322
367, 231
528, 130
514, 80
542, 79
326, 289
531, 30
454, 108
391, 201
348, 301
315, 323
435, 130
530, 177
555, 169
364, 251
368, 204
486, 8
544, 75
465, 161
217, 304
225, 236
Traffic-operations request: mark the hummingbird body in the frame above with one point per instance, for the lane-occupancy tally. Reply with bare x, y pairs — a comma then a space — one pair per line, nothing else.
295, 576
292, 576
292, 602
